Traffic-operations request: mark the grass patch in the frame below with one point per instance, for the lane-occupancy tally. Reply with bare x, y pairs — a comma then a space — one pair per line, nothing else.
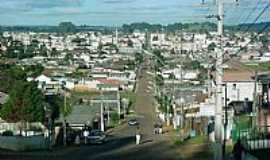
265, 66
191, 141
131, 96
243, 122
196, 140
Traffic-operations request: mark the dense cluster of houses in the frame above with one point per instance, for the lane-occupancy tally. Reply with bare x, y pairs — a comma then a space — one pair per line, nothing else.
106, 64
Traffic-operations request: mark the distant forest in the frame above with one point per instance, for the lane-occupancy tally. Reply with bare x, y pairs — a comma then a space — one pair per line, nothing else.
68, 27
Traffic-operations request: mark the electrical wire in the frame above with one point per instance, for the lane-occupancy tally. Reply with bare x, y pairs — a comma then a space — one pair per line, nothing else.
250, 13
257, 18
234, 8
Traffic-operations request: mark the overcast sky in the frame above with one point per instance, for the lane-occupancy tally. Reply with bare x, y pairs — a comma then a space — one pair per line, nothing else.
117, 12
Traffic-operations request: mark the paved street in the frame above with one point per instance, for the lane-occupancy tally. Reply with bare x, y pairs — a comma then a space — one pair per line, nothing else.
122, 140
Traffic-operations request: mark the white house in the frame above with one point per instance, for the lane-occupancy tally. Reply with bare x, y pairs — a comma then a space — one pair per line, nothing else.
48, 85
42, 79
240, 86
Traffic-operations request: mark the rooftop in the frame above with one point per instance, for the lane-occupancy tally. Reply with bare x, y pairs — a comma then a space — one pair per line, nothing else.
238, 76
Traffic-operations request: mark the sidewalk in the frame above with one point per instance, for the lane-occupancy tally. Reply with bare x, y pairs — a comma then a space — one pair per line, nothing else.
195, 148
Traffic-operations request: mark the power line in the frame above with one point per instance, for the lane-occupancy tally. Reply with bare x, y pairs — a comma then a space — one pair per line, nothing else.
233, 11
251, 12
260, 32
258, 17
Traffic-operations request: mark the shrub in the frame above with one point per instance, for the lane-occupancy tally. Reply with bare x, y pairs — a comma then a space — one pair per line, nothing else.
7, 133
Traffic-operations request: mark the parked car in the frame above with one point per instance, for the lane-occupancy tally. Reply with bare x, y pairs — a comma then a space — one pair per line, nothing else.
133, 122
96, 137
71, 136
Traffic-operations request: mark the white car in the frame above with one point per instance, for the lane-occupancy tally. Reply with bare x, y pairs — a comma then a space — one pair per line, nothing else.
96, 137
133, 122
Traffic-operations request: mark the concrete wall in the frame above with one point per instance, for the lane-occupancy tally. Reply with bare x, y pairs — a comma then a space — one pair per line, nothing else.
16, 143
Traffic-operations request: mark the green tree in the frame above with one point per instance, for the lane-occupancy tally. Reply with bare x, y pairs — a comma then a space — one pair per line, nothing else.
159, 80
15, 50
139, 58
43, 50
211, 46
32, 49
34, 70
59, 106
265, 42
195, 65
54, 52
68, 57
66, 27
9, 75
25, 103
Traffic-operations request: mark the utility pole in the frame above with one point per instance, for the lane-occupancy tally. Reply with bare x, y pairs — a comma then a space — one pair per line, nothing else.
225, 123
108, 115
102, 114
254, 106
119, 106
65, 122
116, 37
181, 44
219, 75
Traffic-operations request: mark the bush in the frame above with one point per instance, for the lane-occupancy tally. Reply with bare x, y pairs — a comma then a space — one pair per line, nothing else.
115, 117
7, 133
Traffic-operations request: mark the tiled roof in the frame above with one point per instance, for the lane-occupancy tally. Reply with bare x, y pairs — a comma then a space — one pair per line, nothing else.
110, 81
238, 76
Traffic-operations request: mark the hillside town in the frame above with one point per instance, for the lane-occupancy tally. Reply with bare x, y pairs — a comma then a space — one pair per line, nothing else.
56, 86
134, 80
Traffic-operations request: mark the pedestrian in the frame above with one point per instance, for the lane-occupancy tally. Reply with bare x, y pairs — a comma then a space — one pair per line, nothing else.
155, 128
160, 129
85, 134
238, 150
138, 136
77, 140
211, 131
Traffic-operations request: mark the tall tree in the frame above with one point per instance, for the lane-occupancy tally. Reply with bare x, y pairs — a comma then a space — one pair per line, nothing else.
59, 106
211, 46
67, 27
25, 103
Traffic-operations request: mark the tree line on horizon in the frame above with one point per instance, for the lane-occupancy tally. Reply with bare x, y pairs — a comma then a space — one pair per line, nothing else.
69, 27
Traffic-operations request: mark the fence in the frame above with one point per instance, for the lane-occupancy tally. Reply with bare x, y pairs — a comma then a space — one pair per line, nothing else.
255, 139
